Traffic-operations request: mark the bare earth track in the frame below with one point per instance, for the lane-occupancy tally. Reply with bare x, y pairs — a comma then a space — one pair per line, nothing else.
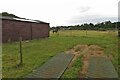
86, 51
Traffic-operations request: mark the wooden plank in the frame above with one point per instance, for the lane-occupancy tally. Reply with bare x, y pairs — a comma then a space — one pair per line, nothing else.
101, 67
54, 68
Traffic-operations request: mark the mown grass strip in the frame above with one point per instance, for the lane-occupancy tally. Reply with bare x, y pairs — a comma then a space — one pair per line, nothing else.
72, 72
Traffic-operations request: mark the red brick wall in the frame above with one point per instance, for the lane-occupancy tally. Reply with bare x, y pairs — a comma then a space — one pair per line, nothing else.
12, 30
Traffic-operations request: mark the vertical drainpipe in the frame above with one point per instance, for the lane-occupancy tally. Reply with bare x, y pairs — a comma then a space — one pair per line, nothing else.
31, 30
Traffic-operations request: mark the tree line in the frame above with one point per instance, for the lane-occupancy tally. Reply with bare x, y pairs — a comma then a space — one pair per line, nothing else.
107, 25
10, 15
103, 26
6, 14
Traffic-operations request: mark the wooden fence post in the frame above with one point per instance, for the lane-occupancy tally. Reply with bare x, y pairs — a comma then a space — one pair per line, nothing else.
86, 32
21, 61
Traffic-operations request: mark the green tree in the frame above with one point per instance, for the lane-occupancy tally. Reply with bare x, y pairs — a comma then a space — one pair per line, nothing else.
6, 14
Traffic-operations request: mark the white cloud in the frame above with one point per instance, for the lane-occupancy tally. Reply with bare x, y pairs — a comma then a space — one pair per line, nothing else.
84, 9
91, 19
59, 12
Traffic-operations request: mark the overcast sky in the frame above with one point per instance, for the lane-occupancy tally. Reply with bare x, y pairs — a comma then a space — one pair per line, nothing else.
63, 12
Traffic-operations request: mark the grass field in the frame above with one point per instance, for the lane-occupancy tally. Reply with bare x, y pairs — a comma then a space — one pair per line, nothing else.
37, 52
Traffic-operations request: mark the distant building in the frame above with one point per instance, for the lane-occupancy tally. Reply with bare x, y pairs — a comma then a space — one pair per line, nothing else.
14, 28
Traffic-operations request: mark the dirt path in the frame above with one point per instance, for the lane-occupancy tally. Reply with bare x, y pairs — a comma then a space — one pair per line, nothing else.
87, 51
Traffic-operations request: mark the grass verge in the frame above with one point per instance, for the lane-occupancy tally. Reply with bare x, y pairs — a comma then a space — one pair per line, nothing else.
72, 72
37, 52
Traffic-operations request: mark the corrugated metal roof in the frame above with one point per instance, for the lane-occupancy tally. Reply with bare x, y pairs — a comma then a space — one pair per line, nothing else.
21, 19
28, 20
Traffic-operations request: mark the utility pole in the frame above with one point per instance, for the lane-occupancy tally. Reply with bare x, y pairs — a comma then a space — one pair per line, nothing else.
118, 28
118, 23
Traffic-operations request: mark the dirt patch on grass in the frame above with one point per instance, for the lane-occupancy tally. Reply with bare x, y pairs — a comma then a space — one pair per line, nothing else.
93, 50
87, 51
110, 57
77, 52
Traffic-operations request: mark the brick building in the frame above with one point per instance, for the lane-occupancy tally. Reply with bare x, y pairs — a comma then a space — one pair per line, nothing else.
14, 28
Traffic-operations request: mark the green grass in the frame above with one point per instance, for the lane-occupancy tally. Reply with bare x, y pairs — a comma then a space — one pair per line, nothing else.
37, 52
72, 72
